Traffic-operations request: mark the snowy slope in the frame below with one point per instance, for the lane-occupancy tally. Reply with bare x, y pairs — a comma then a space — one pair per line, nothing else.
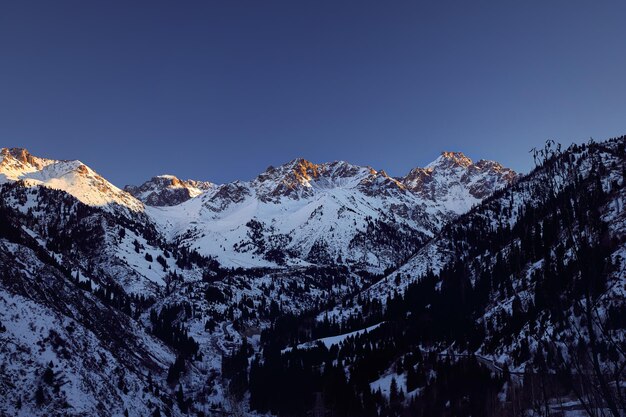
73, 177
303, 212
504, 210
97, 355
439, 251
334, 340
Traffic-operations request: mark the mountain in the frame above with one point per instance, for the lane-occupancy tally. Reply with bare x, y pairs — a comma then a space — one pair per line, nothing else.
523, 296
167, 190
73, 177
303, 213
454, 182
451, 291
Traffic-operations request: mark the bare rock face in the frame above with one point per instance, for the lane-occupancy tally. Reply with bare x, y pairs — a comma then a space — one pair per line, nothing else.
19, 158
167, 190
19, 154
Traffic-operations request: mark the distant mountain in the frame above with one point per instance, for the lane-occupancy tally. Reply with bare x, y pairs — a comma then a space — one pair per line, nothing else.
167, 190
455, 183
305, 213
73, 177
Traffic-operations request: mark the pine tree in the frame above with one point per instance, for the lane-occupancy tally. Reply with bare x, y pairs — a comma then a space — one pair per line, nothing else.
393, 392
40, 397
48, 374
180, 399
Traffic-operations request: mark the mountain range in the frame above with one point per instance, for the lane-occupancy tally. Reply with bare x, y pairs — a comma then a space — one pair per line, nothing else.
179, 297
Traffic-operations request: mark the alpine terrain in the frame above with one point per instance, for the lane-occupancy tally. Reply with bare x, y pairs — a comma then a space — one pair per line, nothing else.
460, 289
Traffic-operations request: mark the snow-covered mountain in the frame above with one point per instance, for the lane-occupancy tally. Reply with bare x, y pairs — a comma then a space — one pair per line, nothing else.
183, 296
298, 214
302, 213
454, 183
73, 177
527, 290
167, 190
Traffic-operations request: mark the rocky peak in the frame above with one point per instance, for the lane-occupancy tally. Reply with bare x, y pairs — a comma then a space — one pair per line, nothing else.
304, 171
300, 178
20, 154
456, 182
20, 157
168, 190
450, 160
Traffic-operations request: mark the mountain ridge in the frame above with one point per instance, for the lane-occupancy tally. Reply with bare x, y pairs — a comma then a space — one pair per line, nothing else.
220, 294
298, 213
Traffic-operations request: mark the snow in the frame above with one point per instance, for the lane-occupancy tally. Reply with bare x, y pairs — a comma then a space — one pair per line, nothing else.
85, 370
73, 177
334, 340
304, 204
384, 383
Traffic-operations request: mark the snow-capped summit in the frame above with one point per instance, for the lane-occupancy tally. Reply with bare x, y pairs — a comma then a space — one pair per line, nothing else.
319, 212
15, 162
301, 178
73, 177
299, 212
449, 160
168, 190
454, 182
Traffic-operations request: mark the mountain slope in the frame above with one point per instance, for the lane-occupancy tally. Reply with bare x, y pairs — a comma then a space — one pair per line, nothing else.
304, 213
73, 177
65, 350
529, 286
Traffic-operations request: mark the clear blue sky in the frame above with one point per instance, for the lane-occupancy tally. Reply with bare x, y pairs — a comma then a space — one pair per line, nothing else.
219, 90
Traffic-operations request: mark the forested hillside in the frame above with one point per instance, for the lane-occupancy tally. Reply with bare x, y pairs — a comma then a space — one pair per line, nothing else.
518, 305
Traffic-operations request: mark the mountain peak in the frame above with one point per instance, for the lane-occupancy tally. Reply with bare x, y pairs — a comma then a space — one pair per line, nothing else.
73, 177
450, 159
455, 182
20, 157
20, 154
168, 190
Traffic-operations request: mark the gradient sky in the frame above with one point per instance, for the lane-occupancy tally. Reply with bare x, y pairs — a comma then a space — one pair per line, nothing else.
219, 90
